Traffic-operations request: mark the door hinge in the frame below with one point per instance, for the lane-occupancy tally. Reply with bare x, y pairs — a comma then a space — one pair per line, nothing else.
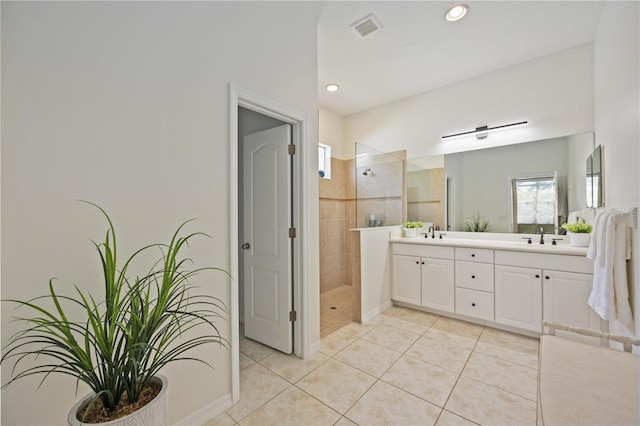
292, 149
292, 232
292, 315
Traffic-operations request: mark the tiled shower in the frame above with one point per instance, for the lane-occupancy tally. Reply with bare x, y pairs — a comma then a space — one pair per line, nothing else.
374, 189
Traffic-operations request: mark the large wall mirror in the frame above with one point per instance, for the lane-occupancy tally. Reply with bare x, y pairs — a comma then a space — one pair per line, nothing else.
516, 188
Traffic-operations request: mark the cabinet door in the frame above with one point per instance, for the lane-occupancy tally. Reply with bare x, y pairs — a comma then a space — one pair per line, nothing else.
566, 296
437, 284
406, 279
518, 297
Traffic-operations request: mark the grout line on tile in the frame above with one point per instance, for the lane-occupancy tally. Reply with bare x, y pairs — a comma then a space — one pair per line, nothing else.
500, 389
262, 405
460, 375
321, 402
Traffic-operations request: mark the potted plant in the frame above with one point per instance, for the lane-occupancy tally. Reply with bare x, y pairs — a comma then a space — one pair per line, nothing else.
124, 338
579, 233
410, 229
477, 224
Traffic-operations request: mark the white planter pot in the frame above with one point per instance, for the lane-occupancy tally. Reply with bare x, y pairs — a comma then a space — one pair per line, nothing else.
410, 232
579, 240
152, 414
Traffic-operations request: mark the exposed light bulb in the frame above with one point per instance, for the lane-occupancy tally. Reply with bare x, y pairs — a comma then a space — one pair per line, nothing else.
332, 87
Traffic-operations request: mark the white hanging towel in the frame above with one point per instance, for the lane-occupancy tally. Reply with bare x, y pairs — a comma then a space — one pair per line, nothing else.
597, 239
609, 296
623, 307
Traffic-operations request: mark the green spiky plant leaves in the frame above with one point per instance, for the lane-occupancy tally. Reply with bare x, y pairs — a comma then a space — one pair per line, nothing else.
477, 223
138, 327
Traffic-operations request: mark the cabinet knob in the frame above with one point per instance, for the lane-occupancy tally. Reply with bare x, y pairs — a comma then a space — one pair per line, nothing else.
473, 255
537, 276
473, 304
423, 263
473, 276
546, 277
417, 263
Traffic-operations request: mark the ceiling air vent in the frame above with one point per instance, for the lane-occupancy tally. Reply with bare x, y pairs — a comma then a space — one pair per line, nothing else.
367, 25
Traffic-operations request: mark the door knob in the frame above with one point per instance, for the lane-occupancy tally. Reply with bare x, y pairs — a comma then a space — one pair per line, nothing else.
246, 246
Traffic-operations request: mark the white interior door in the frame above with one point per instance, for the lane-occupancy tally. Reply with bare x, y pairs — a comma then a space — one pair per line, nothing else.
266, 246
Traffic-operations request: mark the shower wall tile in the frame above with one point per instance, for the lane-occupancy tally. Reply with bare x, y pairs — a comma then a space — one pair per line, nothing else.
335, 211
350, 179
393, 209
393, 178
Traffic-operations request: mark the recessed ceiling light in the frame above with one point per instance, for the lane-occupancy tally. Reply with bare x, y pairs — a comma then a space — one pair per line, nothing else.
332, 87
456, 12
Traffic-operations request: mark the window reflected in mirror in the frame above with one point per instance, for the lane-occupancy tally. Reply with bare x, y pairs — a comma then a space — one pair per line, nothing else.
535, 204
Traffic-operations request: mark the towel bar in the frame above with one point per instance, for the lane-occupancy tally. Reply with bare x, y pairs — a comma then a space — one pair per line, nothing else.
630, 218
627, 342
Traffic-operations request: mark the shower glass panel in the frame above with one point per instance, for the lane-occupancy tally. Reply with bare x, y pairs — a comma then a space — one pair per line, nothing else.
379, 187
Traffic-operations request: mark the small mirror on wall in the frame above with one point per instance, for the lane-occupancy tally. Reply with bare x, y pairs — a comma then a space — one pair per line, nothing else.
595, 179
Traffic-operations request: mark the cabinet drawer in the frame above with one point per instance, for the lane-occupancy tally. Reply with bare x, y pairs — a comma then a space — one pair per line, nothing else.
474, 255
556, 262
423, 250
474, 303
474, 276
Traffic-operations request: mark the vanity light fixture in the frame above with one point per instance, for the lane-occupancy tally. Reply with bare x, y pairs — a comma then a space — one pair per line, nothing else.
456, 13
332, 87
481, 132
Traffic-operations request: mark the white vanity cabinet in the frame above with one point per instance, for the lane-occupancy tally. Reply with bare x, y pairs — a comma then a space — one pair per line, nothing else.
518, 288
407, 272
559, 286
565, 301
474, 283
437, 284
423, 275
519, 297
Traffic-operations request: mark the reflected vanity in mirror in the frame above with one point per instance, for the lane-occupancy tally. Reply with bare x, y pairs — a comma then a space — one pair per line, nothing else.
515, 188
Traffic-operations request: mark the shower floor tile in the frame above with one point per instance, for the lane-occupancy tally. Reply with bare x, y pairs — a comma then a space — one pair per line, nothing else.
335, 309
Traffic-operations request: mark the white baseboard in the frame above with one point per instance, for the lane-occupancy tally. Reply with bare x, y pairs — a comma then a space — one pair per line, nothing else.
314, 348
376, 311
207, 412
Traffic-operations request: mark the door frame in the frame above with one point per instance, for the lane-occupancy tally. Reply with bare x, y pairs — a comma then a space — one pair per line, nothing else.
241, 97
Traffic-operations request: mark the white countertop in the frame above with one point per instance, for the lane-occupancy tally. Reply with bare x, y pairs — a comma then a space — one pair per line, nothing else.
534, 247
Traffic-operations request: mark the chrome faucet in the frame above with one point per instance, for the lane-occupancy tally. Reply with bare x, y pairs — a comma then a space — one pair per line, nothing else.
541, 235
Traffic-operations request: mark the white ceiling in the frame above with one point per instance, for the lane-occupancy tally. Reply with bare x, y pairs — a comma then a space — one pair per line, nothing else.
418, 51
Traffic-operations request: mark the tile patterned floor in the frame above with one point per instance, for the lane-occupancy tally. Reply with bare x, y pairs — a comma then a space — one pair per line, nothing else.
405, 368
335, 309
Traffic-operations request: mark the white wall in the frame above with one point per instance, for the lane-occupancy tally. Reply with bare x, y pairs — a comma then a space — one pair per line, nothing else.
617, 112
126, 105
375, 271
554, 93
331, 132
